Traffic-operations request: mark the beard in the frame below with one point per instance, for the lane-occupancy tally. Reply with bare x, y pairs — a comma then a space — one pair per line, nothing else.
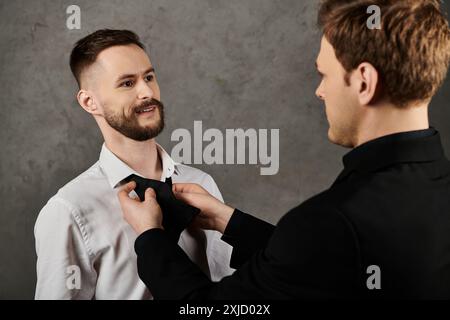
129, 125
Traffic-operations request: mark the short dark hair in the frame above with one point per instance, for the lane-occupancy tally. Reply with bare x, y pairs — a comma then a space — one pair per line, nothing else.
88, 48
411, 51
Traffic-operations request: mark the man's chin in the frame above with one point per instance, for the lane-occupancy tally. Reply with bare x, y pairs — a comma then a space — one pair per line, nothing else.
338, 139
144, 134
332, 137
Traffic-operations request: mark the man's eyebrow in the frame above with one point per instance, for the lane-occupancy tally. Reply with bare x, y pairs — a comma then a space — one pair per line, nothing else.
130, 75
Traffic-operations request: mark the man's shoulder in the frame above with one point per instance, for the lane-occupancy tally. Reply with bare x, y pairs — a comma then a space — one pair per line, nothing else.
324, 206
327, 199
81, 188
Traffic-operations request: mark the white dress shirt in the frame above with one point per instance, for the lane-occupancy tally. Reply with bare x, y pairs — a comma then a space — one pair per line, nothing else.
85, 248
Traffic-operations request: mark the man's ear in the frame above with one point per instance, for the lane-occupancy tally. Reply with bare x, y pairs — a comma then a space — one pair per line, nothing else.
368, 82
87, 102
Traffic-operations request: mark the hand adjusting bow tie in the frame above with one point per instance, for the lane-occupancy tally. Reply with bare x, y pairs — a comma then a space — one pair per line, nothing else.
177, 215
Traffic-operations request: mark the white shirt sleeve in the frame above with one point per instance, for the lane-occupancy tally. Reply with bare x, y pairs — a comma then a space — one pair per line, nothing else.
217, 251
64, 268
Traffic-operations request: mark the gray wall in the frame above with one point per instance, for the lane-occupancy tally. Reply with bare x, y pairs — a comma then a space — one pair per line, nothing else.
231, 64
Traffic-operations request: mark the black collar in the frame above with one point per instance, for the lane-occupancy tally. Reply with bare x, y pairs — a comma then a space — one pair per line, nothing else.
403, 147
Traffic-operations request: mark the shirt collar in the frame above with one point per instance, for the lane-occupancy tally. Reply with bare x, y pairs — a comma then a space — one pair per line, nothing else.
411, 146
116, 170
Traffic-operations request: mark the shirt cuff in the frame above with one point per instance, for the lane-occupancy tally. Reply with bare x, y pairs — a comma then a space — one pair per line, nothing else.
237, 222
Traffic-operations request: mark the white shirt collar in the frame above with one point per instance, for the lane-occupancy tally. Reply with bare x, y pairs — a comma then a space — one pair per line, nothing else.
116, 170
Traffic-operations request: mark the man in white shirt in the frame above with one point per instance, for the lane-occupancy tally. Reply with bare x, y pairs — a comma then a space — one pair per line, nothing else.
84, 246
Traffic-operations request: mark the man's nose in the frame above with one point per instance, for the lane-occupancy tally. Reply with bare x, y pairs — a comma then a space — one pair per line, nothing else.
319, 93
144, 91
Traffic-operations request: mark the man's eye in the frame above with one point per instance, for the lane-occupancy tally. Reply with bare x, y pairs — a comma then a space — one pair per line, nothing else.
128, 83
149, 77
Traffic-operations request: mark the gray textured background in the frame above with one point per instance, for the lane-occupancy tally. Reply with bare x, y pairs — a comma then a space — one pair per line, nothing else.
231, 64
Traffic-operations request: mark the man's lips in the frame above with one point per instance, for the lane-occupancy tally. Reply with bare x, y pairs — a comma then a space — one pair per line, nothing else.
146, 110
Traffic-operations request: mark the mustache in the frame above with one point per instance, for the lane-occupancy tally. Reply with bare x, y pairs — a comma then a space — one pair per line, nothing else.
148, 103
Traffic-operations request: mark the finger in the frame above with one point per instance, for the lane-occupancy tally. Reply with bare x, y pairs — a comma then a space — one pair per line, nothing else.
180, 195
125, 190
123, 196
149, 194
186, 197
181, 187
187, 187
128, 187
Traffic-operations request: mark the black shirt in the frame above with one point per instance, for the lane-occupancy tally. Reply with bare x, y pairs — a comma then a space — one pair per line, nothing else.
388, 209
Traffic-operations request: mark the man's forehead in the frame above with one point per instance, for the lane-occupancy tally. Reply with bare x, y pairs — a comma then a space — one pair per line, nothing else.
323, 47
326, 52
123, 59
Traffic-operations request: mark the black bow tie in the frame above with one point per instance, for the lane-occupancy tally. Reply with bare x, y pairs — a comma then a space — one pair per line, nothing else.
177, 215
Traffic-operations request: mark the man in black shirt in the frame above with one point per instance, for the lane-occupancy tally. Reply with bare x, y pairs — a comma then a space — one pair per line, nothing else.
382, 230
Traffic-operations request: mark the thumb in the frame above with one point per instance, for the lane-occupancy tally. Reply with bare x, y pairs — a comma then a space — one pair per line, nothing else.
186, 187
186, 197
179, 187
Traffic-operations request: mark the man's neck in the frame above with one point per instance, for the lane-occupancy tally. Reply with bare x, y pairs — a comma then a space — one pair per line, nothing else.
141, 156
389, 120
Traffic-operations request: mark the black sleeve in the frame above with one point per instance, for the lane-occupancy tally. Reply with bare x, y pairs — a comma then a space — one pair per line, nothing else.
311, 254
246, 234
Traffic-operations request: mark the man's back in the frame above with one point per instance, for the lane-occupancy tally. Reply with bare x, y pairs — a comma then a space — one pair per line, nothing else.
395, 194
380, 231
